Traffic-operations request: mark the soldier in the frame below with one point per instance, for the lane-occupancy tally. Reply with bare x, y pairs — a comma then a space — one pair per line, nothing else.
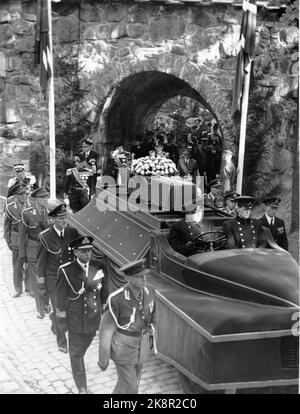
77, 190
187, 166
90, 158
183, 232
12, 219
21, 177
230, 201
276, 225
128, 327
214, 197
34, 221
79, 305
243, 231
53, 252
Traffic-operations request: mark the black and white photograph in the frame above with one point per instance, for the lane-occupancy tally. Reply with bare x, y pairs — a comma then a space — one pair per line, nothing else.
149, 200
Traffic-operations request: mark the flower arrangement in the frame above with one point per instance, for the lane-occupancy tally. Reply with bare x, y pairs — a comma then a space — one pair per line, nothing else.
154, 166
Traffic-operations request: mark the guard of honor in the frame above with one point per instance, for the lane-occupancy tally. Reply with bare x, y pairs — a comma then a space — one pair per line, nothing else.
127, 328
243, 231
12, 219
276, 225
78, 310
53, 252
34, 220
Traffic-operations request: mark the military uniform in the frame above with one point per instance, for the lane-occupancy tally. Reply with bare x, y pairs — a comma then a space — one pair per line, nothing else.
183, 232
244, 233
12, 219
91, 160
32, 224
216, 201
77, 187
28, 180
52, 253
79, 308
133, 319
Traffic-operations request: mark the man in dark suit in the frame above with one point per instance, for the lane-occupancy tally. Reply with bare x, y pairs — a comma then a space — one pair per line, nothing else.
243, 231
34, 220
90, 159
78, 310
187, 166
276, 225
12, 218
53, 252
128, 327
183, 232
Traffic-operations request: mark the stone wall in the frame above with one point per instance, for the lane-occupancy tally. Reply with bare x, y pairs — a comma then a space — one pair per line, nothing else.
137, 56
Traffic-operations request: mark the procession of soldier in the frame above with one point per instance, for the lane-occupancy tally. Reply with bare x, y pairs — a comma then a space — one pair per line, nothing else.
60, 270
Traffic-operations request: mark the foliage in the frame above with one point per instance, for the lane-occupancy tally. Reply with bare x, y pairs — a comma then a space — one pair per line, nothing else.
291, 14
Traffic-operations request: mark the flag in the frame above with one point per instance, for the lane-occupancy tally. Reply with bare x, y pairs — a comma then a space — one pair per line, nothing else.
246, 52
43, 45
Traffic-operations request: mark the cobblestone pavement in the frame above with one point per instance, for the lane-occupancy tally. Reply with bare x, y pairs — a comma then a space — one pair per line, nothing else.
30, 362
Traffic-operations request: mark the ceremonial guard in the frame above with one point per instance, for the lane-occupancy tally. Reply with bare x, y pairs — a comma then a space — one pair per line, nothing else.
21, 178
183, 233
53, 252
34, 220
276, 225
214, 197
243, 231
187, 166
77, 190
79, 305
12, 219
90, 158
127, 328
230, 203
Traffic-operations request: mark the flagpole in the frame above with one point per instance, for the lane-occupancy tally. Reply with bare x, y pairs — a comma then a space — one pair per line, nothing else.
51, 113
242, 141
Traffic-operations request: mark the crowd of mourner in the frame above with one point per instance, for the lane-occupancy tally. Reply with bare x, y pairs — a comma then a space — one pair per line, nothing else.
58, 267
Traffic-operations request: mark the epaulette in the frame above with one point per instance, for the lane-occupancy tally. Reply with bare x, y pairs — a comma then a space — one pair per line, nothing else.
70, 170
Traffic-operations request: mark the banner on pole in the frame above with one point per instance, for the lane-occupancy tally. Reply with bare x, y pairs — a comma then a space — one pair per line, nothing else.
246, 52
43, 45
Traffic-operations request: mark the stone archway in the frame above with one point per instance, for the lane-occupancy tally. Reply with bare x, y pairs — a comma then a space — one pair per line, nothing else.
136, 92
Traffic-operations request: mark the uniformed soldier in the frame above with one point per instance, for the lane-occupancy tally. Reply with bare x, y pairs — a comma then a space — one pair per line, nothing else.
183, 232
77, 189
127, 328
90, 157
273, 223
243, 231
53, 252
12, 218
214, 197
21, 178
230, 201
34, 220
79, 305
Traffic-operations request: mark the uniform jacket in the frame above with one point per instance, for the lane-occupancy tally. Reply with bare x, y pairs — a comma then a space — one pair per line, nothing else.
182, 232
190, 168
12, 219
216, 202
53, 252
244, 233
228, 211
92, 180
277, 230
28, 180
77, 179
31, 225
79, 296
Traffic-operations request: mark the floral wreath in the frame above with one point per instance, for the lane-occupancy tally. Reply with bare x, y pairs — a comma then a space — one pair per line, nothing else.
154, 166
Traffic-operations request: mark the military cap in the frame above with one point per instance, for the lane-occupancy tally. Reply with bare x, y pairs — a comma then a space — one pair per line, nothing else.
18, 188
81, 243
215, 183
18, 166
245, 201
40, 192
272, 201
59, 211
231, 195
135, 269
88, 141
